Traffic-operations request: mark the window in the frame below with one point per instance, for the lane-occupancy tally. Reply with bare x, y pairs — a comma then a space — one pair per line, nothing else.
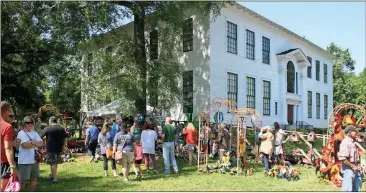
266, 47
325, 106
276, 107
250, 44
317, 105
232, 87
188, 91
309, 67
188, 35
310, 104
154, 42
266, 97
90, 64
317, 75
250, 92
290, 77
231, 38
325, 73
90, 106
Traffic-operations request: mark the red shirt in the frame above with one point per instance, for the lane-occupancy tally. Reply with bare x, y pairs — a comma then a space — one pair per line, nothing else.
7, 134
191, 136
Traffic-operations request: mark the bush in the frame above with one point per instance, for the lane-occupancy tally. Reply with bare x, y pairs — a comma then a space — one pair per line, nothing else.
320, 130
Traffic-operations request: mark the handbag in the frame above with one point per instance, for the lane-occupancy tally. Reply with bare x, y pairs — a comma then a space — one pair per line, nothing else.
13, 185
38, 155
108, 152
118, 155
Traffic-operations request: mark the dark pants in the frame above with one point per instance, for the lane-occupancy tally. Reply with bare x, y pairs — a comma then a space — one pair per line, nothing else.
105, 163
267, 165
92, 146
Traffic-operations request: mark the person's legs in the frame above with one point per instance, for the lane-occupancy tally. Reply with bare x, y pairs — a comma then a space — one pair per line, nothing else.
114, 168
266, 163
172, 157
166, 157
124, 166
54, 172
190, 157
24, 175
105, 164
152, 158
147, 161
34, 174
347, 183
357, 183
90, 152
52, 160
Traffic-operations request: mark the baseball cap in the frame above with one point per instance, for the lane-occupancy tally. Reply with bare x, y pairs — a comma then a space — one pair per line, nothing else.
350, 128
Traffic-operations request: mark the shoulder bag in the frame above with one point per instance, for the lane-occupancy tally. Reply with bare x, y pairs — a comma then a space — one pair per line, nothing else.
38, 154
118, 155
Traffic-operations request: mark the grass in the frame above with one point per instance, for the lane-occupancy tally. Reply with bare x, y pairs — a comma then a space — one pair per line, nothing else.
84, 176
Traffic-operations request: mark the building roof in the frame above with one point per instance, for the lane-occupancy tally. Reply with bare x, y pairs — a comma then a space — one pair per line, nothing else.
245, 9
287, 51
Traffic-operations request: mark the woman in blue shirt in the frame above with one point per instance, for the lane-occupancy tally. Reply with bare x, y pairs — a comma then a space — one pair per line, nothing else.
105, 140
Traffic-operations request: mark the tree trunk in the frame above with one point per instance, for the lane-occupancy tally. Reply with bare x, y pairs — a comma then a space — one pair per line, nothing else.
140, 53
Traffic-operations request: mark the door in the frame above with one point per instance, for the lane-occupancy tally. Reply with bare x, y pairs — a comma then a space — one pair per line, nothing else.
290, 114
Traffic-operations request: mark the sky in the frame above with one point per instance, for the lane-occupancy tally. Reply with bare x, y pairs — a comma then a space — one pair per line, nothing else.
321, 23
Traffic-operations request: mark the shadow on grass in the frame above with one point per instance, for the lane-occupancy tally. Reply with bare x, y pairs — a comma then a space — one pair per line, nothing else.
82, 184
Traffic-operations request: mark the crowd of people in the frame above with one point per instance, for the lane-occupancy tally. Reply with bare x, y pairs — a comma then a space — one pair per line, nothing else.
21, 151
126, 145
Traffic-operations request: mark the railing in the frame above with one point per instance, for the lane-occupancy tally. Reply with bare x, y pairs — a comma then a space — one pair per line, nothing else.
304, 125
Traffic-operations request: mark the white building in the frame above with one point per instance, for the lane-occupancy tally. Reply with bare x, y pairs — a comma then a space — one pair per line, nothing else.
247, 58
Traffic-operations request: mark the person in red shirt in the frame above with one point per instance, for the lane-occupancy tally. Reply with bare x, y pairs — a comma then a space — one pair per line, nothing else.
191, 140
8, 166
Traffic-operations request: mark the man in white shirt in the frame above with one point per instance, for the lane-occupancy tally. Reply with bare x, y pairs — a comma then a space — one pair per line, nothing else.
28, 166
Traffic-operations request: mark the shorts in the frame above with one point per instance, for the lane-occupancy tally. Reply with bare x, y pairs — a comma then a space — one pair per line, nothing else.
176, 143
28, 171
53, 158
5, 171
189, 147
127, 158
138, 162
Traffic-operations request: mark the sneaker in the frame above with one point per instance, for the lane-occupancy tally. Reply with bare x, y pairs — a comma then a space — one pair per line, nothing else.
175, 172
91, 159
125, 180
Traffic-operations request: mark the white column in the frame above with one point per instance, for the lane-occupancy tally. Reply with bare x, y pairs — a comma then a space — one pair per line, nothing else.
283, 91
301, 93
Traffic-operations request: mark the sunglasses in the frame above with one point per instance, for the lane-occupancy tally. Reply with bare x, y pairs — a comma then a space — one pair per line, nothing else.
29, 123
11, 116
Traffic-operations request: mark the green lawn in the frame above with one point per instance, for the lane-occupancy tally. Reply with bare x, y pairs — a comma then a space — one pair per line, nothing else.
84, 176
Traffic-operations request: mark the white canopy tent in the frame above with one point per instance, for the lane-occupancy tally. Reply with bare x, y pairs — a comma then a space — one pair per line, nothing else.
116, 107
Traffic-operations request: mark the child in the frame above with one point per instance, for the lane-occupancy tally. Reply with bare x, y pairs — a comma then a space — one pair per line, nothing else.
138, 158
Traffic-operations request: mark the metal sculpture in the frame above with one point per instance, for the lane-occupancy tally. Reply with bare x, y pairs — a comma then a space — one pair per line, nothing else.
204, 119
256, 120
339, 118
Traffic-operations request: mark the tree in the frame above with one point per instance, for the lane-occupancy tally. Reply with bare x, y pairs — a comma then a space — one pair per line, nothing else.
361, 88
42, 35
344, 89
143, 79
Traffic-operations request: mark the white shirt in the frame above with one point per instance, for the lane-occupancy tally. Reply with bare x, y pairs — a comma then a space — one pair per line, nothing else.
27, 156
279, 137
148, 138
